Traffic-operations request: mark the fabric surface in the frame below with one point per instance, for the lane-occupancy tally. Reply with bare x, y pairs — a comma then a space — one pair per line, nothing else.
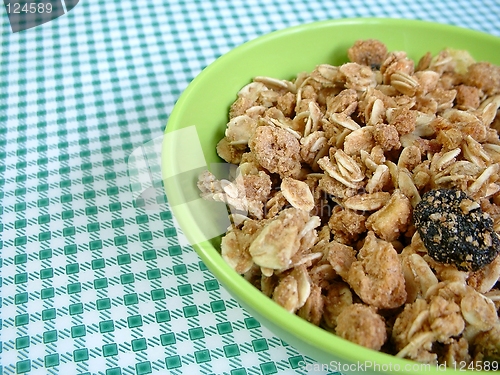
95, 276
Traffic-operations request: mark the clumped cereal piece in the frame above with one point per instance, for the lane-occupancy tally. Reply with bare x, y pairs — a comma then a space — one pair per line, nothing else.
422, 323
445, 318
276, 150
405, 83
325, 74
235, 245
410, 157
246, 193
239, 130
377, 276
322, 274
387, 137
362, 325
358, 77
369, 52
286, 104
228, 152
359, 140
486, 278
293, 290
338, 297
333, 187
404, 120
345, 102
235, 253
411, 332
312, 310
342, 168
420, 278
468, 97
487, 345
396, 61
341, 257
457, 351
286, 293
346, 225
455, 230
313, 147
484, 76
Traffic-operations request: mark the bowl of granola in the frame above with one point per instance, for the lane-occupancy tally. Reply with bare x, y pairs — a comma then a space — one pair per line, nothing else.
341, 180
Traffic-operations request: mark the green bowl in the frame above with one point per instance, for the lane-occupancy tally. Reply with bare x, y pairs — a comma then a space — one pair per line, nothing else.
198, 121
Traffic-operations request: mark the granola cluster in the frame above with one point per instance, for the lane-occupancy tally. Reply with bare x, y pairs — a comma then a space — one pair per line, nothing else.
330, 168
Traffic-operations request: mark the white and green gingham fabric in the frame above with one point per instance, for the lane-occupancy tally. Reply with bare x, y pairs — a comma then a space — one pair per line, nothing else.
95, 276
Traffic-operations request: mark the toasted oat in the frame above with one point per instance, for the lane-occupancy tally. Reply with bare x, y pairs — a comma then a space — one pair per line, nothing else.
297, 193
479, 311
367, 202
281, 238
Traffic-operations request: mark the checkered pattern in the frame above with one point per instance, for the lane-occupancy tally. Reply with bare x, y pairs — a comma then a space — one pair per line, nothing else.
95, 278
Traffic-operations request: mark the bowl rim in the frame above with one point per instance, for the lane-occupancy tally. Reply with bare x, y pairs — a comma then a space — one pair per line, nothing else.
234, 282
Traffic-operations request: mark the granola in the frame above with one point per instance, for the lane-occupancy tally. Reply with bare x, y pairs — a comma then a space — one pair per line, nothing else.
367, 199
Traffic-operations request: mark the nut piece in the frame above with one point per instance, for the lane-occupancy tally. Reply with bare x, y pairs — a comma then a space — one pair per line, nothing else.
392, 219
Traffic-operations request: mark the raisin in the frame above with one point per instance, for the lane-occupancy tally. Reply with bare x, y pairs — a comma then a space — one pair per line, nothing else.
455, 230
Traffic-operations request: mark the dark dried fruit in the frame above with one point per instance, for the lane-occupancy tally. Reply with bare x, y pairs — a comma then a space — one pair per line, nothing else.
455, 230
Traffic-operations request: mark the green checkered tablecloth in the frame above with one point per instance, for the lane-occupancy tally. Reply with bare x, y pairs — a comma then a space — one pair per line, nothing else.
96, 278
